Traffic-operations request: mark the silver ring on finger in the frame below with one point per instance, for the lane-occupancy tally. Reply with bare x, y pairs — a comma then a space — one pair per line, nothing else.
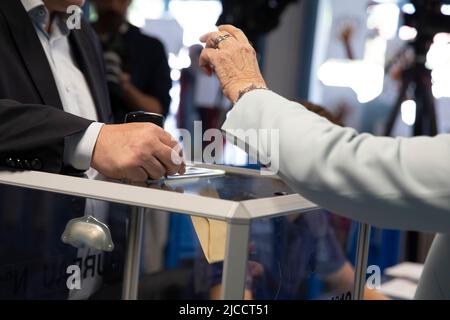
220, 39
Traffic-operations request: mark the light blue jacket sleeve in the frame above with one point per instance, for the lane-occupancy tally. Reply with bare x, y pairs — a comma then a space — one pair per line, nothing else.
399, 183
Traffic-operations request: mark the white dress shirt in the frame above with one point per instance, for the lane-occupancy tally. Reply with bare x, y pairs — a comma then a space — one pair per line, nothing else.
76, 99
72, 86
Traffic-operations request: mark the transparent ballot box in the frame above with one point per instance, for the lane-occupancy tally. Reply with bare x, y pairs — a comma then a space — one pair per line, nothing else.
218, 232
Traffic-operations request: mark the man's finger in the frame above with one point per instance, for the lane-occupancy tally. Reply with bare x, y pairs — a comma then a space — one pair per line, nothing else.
137, 175
182, 168
176, 147
167, 139
169, 159
154, 168
177, 155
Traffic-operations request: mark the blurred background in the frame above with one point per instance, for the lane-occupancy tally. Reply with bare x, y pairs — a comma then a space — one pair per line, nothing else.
381, 67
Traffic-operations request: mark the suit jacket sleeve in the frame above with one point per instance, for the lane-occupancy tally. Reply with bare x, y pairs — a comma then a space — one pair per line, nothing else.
401, 183
33, 136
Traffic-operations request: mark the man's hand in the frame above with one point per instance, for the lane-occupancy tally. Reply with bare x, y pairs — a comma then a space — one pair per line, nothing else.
136, 152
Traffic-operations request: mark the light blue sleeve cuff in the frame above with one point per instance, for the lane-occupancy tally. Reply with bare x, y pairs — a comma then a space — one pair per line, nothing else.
79, 147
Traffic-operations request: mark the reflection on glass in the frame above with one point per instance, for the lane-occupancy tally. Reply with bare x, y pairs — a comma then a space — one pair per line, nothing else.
295, 257
232, 186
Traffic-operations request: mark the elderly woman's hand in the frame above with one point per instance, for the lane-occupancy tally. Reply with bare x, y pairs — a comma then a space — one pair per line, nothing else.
229, 54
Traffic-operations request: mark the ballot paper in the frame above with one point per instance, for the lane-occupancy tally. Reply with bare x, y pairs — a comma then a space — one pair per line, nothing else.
190, 174
211, 233
407, 270
208, 92
399, 288
195, 172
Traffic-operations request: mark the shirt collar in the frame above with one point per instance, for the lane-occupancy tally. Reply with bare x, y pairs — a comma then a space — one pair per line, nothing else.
40, 16
31, 4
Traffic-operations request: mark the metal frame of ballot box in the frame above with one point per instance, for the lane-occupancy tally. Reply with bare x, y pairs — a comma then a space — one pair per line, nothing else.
237, 214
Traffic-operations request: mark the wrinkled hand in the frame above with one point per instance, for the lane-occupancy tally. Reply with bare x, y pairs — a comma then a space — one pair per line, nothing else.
233, 61
136, 152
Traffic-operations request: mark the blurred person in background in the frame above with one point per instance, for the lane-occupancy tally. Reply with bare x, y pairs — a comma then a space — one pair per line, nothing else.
137, 69
187, 112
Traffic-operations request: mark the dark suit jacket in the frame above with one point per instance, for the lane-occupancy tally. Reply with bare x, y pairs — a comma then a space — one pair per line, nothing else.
33, 122
33, 128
